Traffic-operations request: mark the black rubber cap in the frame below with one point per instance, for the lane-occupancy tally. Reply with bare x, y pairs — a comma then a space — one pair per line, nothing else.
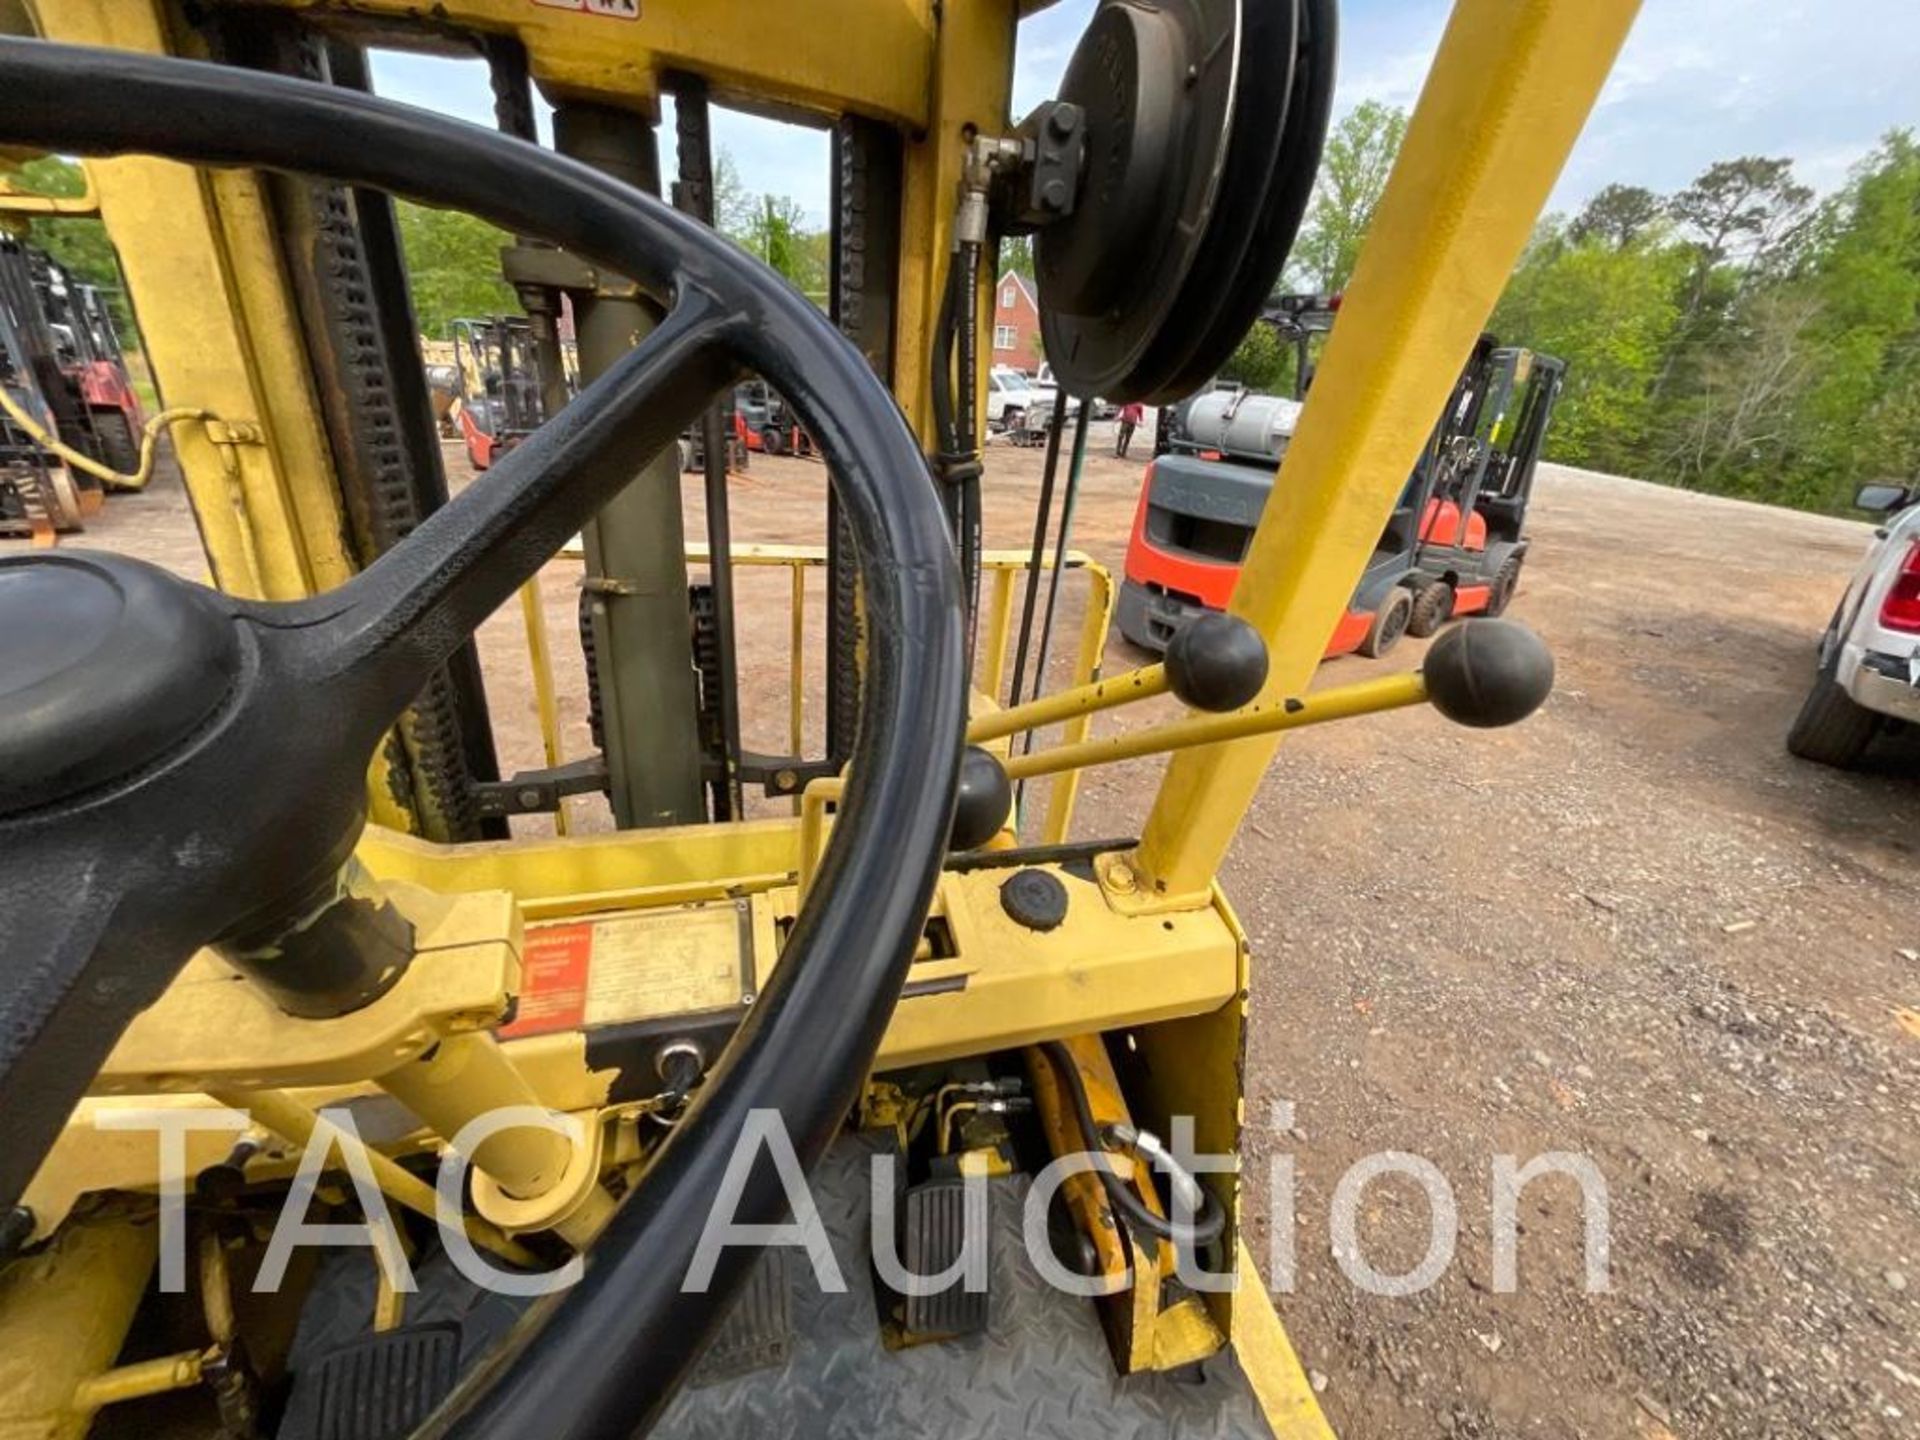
1216, 663
1035, 899
106, 664
1487, 673
986, 795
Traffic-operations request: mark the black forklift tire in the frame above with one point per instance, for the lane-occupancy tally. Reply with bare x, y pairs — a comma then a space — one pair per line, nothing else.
773, 441
1831, 728
1432, 608
1389, 623
1504, 585
119, 447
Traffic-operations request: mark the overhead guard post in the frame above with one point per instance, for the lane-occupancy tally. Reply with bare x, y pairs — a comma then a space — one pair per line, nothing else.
1479, 161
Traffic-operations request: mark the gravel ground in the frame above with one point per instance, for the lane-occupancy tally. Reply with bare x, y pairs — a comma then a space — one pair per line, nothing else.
1633, 929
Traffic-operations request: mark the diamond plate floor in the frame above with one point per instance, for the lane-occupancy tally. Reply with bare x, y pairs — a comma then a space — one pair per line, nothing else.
1040, 1371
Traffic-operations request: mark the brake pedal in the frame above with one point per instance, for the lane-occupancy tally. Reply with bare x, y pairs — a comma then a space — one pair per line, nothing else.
382, 1387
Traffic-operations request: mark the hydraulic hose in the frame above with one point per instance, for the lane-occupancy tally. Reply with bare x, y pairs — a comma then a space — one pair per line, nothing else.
967, 309
957, 463
1208, 1225
945, 435
149, 438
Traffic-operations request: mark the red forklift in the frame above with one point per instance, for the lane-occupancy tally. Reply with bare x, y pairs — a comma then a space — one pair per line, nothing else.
40, 496
1454, 545
763, 422
65, 343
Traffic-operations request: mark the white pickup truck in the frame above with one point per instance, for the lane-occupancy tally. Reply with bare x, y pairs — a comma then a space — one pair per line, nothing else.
1011, 396
1869, 657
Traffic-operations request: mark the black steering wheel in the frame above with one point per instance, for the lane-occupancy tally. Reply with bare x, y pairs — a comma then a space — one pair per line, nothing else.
179, 767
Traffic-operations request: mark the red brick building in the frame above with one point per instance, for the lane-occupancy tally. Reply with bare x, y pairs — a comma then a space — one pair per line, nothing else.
1016, 323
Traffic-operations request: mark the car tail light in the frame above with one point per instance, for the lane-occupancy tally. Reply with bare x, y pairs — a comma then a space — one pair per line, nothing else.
1901, 609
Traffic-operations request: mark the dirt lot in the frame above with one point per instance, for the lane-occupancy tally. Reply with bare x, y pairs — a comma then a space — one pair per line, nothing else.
1632, 928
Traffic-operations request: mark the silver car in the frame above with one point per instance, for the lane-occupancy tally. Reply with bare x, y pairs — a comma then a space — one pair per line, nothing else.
1869, 658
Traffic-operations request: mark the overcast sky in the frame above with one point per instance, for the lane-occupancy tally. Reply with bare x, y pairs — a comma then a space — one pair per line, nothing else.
1700, 80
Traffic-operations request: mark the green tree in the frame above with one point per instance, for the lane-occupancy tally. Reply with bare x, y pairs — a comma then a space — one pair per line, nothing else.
453, 267
1610, 314
1261, 362
733, 207
1859, 416
772, 228
80, 243
1742, 209
1619, 215
1353, 175
1016, 254
1737, 420
777, 233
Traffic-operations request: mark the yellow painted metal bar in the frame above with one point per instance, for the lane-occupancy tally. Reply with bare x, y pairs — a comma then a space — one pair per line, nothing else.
797, 663
1080, 702
1266, 717
1086, 671
140, 1380
220, 331
813, 826
540, 659
216, 1289
466, 1076
65, 1310
289, 1119
1279, 1381
1510, 88
1367, 697
993, 660
25, 202
820, 58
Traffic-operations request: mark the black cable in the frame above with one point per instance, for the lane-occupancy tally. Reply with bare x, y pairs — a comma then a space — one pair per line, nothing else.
1207, 1226
1056, 422
1074, 468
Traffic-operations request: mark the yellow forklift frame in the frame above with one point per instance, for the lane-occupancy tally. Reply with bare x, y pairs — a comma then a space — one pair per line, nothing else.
1163, 956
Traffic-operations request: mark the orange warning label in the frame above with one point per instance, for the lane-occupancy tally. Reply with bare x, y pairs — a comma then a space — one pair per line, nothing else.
554, 965
623, 968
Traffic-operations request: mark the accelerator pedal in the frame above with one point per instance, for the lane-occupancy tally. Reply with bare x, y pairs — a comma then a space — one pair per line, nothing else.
932, 1233
382, 1387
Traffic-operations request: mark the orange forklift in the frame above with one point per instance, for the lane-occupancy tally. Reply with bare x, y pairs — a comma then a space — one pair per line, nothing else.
1454, 545
500, 386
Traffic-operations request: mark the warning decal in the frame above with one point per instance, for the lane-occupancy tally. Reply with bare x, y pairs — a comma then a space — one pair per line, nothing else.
625, 968
553, 980
615, 9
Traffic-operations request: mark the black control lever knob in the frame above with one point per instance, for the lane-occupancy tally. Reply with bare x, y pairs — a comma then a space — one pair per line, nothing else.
1488, 673
1216, 663
986, 795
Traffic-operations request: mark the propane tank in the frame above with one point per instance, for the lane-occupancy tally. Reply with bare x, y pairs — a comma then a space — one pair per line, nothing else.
1241, 423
